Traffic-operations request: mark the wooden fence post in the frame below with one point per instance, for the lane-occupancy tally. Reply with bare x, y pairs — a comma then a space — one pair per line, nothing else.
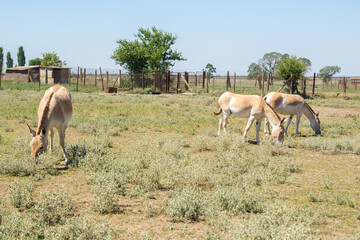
77, 80
102, 80
259, 80
69, 77
160, 87
203, 79
234, 81
268, 82
187, 80
344, 82
81, 75
28, 75
195, 80
304, 89
313, 85
207, 83
95, 77
84, 76
46, 76
178, 83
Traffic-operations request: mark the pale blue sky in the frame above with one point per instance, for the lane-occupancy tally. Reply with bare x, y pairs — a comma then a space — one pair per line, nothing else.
228, 34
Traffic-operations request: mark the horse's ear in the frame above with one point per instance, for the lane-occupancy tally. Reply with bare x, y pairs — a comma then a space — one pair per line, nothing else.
317, 114
282, 121
43, 131
33, 133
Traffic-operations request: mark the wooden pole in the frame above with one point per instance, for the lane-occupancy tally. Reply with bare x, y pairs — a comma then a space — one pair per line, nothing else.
313, 85
160, 87
178, 83
203, 79
95, 77
28, 74
81, 75
186, 80
102, 80
207, 83
268, 82
195, 80
304, 89
84, 76
46, 76
234, 81
344, 82
69, 77
259, 80
77, 80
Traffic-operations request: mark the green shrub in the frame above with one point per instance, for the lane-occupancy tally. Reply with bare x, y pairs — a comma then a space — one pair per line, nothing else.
20, 194
54, 207
107, 187
186, 204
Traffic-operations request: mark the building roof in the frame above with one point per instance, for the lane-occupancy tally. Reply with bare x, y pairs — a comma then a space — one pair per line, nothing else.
37, 66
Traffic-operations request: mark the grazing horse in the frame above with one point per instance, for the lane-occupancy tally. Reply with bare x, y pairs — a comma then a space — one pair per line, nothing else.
253, 107
55, 111
287, 104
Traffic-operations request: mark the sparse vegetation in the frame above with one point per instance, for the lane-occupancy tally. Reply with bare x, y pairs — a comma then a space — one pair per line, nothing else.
156, 163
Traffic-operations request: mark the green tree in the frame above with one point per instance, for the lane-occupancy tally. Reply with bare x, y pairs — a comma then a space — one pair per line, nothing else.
9, 60
130, 55
290, 69
269, 61
254, 70
307, 63
21, 56
1, 56
35, 62
327, 72
151, 50
210, 69
51, 59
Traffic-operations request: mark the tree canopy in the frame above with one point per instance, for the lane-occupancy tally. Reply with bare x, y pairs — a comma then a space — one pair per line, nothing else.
150, 51
9, 60
254, 70
291, 69
35, 61
21, 56
210, 69
51, 59
327, 72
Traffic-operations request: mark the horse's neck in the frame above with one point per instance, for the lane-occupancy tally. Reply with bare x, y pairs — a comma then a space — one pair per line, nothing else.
270, 114
308, 112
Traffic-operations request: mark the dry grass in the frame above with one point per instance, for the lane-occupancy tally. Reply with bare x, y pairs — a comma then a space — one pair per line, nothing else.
163, 173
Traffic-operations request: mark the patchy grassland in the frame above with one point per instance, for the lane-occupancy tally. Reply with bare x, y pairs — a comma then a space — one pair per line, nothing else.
152, 167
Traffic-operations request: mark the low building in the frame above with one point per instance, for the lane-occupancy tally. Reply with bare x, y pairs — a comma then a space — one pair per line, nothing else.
51, 74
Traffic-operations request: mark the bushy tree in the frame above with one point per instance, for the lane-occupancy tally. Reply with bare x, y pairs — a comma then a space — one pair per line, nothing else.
1, 56
327, 72
254, 70
35, 62
151, 50
52, 59
9, 60
21, 56
290, 69
210, 69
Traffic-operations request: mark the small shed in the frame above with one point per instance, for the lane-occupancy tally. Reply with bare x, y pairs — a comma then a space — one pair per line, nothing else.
44, 74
